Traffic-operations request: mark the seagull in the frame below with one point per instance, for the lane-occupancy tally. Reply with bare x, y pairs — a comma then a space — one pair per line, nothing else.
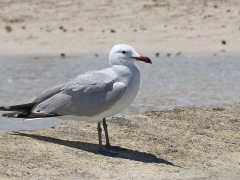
90, 97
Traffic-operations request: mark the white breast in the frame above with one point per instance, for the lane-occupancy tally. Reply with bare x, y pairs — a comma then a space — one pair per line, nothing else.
131, 77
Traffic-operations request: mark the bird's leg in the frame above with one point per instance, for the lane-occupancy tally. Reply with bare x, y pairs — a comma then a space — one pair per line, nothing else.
100, 147
99, 136
115, 148
106, 133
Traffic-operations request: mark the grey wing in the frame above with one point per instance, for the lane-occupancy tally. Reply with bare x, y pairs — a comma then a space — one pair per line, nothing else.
86, 95
46, 94
89, 82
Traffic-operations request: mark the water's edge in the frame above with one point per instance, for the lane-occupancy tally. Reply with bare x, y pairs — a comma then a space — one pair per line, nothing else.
170, 82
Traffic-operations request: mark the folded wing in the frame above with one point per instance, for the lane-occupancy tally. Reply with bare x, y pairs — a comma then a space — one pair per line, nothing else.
86, 95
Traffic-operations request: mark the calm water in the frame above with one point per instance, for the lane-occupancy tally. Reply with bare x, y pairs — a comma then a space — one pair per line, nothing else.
191, 80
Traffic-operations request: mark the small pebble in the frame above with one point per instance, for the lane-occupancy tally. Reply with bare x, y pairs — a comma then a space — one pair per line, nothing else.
179, 53
8, 28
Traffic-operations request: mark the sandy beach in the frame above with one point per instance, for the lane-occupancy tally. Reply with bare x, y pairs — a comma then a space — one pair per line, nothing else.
190, 143
74, 27
187, 143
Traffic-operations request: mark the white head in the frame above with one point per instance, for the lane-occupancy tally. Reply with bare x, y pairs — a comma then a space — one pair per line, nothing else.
123, 54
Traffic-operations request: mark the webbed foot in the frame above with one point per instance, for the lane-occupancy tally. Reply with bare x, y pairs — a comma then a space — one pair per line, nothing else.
114, 148
107, 153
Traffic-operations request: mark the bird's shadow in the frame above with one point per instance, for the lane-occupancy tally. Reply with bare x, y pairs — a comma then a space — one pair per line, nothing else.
93, 148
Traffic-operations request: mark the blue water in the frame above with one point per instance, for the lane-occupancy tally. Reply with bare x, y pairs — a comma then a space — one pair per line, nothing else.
170, 82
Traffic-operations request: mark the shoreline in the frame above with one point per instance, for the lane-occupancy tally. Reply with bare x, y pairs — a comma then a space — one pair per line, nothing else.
49, 55
92, 49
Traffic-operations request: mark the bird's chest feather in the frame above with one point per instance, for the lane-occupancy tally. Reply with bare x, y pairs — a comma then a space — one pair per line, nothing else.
131, 77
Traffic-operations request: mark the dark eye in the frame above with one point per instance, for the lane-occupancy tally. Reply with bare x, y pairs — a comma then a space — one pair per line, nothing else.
124, 52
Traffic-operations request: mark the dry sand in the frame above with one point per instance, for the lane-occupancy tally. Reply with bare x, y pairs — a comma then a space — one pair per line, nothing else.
191, 143
194, 143
73, 26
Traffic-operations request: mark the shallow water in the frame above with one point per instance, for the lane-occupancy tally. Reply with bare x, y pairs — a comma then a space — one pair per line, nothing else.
170, 82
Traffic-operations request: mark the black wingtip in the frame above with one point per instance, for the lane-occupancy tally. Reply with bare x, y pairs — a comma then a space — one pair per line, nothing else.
27, 114
16, 114
5, 115
21, 107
